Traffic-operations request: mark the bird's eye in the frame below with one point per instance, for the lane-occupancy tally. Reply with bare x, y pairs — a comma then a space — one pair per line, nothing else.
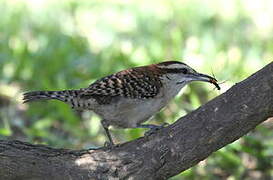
184, 70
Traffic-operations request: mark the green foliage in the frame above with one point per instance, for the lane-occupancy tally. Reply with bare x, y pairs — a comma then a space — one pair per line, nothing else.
55, 45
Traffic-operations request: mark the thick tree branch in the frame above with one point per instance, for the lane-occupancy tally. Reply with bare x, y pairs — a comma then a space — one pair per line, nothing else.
164, 154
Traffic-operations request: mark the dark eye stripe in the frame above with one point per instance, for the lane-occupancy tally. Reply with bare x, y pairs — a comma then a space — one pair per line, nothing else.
184, 70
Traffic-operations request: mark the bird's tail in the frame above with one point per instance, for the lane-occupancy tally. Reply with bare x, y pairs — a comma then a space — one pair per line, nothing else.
64, 96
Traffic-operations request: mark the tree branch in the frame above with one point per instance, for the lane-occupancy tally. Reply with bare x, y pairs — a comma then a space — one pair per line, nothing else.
159, 156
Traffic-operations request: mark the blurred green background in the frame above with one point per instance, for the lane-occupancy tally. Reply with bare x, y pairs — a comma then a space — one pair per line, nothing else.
66, 44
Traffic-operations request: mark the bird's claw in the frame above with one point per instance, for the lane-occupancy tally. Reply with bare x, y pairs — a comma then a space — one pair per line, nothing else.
155, 128
108, 145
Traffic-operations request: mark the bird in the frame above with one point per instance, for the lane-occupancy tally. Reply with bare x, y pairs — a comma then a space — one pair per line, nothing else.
128, 98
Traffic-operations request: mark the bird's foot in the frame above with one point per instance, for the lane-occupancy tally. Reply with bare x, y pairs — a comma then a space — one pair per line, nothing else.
109, 145
153, 128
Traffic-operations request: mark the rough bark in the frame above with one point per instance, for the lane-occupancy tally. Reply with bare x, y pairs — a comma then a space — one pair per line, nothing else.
159, 156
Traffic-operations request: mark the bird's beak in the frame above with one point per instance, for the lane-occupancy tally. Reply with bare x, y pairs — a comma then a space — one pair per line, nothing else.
206, 78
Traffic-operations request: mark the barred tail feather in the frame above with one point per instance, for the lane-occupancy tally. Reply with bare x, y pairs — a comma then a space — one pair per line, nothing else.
47, 95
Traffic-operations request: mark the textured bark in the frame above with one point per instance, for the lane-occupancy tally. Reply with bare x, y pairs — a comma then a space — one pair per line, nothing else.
159, 156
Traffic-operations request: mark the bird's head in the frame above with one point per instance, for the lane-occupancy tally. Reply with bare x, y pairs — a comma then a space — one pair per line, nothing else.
181, 73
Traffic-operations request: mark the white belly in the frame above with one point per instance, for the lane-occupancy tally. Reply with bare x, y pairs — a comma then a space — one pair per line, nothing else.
129, 113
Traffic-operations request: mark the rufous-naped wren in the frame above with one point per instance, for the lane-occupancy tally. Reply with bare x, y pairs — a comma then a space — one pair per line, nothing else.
130, 97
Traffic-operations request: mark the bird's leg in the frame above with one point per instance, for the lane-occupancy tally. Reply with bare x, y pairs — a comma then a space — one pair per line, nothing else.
153, 128
105, 125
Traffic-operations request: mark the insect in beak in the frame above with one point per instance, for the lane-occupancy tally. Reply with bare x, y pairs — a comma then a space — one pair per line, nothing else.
214, 81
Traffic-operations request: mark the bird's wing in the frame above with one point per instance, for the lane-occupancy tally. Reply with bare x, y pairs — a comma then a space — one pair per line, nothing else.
130, 83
